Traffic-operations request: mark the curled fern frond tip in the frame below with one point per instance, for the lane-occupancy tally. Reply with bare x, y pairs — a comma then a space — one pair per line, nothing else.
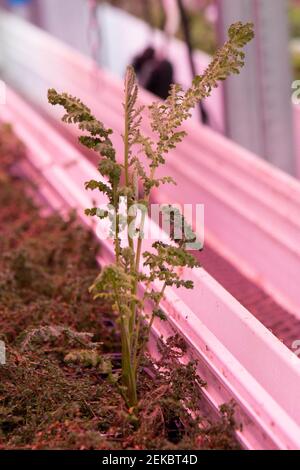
241, 33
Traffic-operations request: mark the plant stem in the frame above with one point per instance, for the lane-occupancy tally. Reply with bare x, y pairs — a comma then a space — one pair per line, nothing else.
137, 264
117, 241
128, 374
126, 133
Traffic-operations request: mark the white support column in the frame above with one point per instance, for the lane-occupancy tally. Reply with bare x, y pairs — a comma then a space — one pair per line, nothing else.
68, 20
258, 102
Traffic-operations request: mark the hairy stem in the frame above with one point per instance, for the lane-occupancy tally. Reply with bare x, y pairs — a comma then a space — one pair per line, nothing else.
128, 374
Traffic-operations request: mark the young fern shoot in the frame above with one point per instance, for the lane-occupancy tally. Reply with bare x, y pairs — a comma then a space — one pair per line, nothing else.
134, 178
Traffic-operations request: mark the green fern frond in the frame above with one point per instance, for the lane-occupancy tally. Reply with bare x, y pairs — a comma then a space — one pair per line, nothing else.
168, 116
120, 283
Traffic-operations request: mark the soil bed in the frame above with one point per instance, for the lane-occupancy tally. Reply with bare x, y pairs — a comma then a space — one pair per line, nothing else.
54, 389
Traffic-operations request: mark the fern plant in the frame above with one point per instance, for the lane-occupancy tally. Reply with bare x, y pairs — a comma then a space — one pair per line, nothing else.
134, 179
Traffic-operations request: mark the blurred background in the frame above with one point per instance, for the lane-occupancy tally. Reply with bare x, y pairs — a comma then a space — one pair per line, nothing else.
172, 40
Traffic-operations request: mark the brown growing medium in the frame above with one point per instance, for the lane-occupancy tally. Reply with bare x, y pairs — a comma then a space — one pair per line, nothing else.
54, 390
